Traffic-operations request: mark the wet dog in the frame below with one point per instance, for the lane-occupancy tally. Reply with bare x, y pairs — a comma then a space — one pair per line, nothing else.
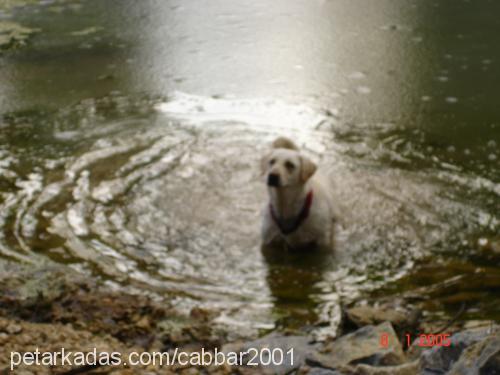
300, 210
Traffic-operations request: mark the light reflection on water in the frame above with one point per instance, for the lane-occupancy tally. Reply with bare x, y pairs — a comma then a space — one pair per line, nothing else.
163, 195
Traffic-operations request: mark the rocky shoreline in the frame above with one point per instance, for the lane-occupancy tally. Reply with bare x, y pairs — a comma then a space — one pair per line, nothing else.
53, 309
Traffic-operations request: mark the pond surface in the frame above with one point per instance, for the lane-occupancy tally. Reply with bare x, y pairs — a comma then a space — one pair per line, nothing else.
131, 133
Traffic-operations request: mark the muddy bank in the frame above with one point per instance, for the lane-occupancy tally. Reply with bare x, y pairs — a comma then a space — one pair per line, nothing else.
53, 308
50, 308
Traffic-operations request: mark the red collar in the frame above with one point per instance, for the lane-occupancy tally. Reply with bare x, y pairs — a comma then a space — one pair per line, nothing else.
290, 226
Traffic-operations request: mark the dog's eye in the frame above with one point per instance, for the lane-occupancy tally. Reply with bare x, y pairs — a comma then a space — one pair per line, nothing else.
289, 165
272, 161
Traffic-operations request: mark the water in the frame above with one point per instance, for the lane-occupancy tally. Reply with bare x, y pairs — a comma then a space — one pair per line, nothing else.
131, 134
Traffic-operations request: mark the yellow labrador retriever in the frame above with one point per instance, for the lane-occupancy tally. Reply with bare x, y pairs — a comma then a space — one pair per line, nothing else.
300, 210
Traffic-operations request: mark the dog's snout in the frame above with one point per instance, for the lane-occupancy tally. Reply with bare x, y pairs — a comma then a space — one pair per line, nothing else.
273, 179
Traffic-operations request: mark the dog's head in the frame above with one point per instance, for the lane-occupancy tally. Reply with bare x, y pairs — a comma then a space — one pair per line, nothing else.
284, 166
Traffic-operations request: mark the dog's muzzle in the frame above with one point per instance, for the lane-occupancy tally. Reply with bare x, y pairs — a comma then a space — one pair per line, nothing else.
273, 180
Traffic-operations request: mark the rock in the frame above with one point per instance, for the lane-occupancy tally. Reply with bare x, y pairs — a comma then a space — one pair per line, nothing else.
144, 323
441, 359
480, 358
13, 329
402, 318
361, 346
369, 315
283, 343
474, 324
323, 371
410, 368
415, 350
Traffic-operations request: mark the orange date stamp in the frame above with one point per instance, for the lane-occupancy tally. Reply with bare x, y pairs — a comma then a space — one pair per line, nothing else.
430, 340
423, 340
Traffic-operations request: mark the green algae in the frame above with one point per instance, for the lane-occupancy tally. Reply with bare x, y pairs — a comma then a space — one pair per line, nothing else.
12, 34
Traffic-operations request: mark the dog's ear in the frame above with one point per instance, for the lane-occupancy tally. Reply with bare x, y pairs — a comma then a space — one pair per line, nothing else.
282, 142
307, 168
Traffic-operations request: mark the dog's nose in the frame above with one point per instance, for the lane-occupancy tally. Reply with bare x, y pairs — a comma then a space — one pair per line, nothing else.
273, 180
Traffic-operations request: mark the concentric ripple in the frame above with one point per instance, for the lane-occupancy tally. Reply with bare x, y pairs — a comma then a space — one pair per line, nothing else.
167, 202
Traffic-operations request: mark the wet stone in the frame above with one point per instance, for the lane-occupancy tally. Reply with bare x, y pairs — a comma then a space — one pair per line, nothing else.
441, 359
480, 358
403, 318
361, 346
322, 371
410, 368
284, 344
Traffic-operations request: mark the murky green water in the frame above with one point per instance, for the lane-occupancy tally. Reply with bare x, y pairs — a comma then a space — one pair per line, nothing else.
131, 133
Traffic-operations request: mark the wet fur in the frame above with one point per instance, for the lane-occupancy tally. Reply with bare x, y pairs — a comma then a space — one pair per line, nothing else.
288, 199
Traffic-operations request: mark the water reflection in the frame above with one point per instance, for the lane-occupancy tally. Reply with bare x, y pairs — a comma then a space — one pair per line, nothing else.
294, 279
323, 50
106, 168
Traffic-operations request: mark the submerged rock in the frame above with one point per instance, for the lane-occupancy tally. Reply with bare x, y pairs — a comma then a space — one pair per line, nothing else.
402, 318
12, 34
